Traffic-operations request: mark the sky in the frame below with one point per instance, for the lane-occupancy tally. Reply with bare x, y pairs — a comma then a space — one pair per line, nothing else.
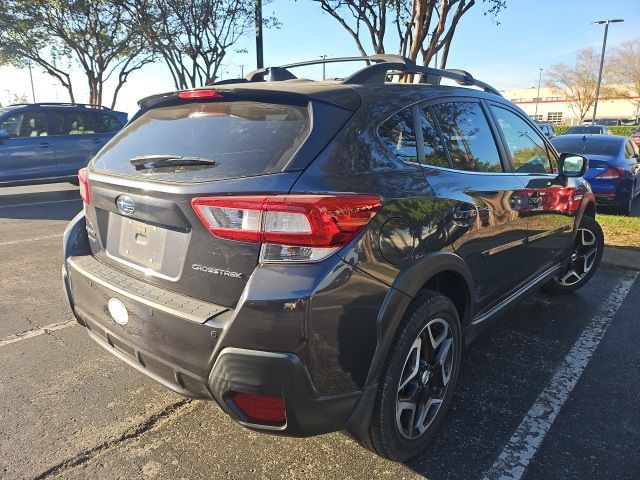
506, 51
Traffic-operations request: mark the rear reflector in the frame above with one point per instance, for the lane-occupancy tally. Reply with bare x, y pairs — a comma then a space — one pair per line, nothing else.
611, 173
200, 93
261, 409
300, 227
83, 182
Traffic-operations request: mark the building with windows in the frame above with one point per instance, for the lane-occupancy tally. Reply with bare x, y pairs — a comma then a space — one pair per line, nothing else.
552, 106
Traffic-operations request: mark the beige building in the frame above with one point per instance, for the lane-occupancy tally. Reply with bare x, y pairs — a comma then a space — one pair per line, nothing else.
551, 105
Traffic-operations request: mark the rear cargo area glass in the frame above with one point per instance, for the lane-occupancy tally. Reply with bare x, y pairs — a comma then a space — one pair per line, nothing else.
243, 138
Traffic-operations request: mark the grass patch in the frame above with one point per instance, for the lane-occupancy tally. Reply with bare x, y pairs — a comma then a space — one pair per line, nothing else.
620, 231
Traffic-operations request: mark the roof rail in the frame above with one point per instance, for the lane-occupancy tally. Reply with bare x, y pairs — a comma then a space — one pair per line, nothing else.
60, 104
377, 70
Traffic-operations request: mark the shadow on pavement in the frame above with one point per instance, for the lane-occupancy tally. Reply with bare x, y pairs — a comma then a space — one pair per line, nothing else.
40, 202
501, 376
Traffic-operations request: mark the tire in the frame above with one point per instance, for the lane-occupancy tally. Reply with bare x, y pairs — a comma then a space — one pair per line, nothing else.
586, 255
626, 208
430, 318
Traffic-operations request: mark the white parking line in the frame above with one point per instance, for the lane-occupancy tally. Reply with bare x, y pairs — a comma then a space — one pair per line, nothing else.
41, 203
525, 442
36, 332
32, 239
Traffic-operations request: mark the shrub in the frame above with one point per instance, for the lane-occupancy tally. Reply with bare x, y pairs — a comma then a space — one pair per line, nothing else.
618, 130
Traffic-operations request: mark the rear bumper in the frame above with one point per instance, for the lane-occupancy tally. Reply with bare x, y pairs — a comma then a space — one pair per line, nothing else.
208, 351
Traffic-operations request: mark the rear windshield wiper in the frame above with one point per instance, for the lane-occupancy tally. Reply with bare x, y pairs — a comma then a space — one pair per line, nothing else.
146, 162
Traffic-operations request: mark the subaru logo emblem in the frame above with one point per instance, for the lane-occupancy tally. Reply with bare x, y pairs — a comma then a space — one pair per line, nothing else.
125, 204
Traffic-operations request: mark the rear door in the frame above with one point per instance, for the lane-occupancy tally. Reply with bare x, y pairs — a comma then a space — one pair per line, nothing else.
485, 225
77, 140
550, 203
140, 217
29, 153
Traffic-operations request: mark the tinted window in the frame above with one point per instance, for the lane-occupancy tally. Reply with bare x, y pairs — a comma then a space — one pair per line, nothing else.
629, 150
105, 123
468, 137
74, 123
584, 130
528, 150
434, 153
243, 138
595, 145
398, 135
26, 124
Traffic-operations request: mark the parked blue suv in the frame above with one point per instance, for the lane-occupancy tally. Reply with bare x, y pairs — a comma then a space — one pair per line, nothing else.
49, 142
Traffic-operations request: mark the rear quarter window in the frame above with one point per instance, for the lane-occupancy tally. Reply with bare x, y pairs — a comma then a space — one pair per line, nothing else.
243, 138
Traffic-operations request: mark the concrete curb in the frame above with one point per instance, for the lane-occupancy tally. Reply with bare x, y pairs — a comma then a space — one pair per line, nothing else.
620, 257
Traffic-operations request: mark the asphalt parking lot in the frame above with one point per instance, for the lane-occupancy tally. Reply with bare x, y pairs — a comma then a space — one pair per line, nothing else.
552, 389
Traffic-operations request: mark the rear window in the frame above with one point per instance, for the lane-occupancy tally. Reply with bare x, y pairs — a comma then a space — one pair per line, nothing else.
583, 130
242, 138
587, 146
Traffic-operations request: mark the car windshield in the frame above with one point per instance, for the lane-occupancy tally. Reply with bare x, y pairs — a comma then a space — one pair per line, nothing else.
588, 145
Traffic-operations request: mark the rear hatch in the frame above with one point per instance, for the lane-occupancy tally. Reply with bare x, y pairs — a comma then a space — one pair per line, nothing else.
141, 185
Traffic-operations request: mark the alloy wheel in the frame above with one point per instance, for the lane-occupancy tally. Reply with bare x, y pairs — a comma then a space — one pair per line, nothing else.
583, 257
425, 378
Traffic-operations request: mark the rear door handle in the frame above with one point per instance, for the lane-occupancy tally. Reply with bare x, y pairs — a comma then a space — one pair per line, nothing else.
97, 140
44, 144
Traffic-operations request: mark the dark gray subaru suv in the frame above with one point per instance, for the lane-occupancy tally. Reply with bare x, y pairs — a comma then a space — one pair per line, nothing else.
314, 256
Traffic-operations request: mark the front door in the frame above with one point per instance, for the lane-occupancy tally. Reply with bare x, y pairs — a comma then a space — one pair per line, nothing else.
29, 153
484, 224
551, 205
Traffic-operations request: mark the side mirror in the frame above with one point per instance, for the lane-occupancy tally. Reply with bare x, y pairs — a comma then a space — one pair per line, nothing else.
572, 165
4, 135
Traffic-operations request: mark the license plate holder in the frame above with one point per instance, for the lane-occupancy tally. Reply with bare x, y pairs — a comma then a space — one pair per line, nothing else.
142, 243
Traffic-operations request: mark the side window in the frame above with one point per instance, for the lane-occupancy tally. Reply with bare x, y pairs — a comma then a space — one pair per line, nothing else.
26, 124
528, 150
468, 137
77, 123
398, 135
12, 124
434, 153
628, 150
105, 123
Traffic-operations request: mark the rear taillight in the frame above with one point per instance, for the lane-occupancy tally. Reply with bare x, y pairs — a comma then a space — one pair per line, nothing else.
294, 228
83, 183
200, 93
261, 408
611, 173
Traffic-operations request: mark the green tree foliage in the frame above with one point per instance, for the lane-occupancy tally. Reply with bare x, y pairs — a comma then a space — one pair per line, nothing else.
24, 39
193, 36
97, 35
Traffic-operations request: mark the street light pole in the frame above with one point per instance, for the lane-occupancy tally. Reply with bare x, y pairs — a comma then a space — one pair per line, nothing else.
604, 46
259, 52
33, 91
324, 57
538, 95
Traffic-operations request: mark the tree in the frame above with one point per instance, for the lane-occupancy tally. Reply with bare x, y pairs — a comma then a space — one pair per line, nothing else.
193, 36
101, 37
98, 35
415, 21
625, 66
578, 81
23, 39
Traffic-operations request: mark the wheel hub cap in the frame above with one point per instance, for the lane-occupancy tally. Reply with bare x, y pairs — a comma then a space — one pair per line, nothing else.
425, 379
582, 260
